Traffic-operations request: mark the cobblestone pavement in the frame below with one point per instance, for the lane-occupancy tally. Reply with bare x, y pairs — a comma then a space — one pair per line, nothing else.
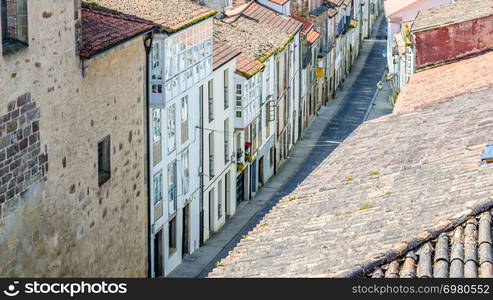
333, 124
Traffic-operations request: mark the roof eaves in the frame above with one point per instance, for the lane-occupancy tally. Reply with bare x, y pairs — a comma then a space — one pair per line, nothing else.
275, 51
416, 241
190, 23
88, 55
226, 61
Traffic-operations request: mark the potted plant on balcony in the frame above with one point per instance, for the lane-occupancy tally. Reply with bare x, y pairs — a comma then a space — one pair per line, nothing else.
249, 158
240, 167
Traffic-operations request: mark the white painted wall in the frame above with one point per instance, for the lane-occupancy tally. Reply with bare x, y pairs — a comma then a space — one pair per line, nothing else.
221, 167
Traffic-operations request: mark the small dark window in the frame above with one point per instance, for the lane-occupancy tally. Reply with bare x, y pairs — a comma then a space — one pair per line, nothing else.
14, 25
104, 165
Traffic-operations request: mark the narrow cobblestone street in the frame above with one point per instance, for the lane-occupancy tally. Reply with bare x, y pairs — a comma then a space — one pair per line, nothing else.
353, 105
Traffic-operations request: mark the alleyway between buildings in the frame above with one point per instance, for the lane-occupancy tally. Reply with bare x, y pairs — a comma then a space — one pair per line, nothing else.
357, 101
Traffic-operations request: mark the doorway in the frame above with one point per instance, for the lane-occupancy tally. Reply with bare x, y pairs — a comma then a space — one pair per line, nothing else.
185, 243
240, 188
253, 178
227, 182
261, 171
158, 254
211, 211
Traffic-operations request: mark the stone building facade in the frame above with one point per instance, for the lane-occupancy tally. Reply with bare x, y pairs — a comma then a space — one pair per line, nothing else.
56, 218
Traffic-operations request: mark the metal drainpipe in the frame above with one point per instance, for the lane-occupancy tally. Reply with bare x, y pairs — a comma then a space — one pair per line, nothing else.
300, 70
148, 39
201, 195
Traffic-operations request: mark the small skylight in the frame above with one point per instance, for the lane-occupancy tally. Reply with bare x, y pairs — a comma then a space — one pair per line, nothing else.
487, 157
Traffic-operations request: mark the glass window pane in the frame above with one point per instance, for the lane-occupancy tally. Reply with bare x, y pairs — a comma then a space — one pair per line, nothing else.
157, 187
171, 128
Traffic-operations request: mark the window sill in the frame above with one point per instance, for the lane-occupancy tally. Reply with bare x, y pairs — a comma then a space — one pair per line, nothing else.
12, 46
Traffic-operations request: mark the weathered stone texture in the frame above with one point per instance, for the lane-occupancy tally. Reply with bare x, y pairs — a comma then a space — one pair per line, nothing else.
65, 224
22, 163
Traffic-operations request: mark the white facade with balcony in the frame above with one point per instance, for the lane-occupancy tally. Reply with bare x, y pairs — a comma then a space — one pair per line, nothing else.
180, 64
248, 94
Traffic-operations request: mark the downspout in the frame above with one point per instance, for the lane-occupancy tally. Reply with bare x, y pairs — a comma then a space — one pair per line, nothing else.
147, 46
201, 167
300, 71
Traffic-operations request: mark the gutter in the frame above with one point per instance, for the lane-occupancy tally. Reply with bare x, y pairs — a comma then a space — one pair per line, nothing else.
99, 51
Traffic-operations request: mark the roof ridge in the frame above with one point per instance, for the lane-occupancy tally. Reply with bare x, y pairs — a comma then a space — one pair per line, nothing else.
96, 8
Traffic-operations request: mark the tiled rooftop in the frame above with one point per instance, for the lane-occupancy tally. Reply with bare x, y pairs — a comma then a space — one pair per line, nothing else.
444, 15
307, 30
312, 36
382, 192
307, 25
258, 32
223, 53
172, 15
394, 6
336, 3
102, 29
445, 82
465, 251
332, 12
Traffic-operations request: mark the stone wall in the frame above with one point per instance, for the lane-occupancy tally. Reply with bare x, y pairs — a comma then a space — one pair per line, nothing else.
22, 162
61, 222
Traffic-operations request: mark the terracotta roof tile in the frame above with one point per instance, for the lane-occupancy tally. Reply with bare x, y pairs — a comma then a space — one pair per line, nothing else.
445, 82
257, 31
470, 257
312, 36
223, 53
102, 29
413, 176
445, 15
307, 25
172, 15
